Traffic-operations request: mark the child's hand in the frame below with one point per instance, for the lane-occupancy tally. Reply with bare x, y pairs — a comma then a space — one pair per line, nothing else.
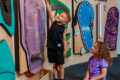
92, 79
46, 0
64, 54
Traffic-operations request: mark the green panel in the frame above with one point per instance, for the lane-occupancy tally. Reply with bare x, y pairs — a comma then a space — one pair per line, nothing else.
58, 12
68, 43
68, 36
56, 2
68, 52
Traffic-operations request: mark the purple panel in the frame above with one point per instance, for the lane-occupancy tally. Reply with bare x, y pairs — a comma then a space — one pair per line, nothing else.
111, 28
103, 0
33, 32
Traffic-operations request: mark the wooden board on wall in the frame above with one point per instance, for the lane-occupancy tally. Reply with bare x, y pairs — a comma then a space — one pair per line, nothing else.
78, 44
20, 53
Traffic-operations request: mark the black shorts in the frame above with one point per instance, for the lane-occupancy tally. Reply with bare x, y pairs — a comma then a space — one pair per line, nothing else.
56, 56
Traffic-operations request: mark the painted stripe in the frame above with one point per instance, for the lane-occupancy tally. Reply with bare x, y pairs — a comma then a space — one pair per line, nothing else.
103, 0
118, 39
100, 19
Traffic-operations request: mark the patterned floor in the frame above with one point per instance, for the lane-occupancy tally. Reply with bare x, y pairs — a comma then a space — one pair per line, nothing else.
78, 71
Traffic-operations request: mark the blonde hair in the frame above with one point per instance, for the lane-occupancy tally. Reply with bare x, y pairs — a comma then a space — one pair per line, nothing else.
103, 52
68, 17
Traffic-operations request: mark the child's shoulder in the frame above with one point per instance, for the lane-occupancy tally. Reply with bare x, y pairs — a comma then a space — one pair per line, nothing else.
91, 57
103, 63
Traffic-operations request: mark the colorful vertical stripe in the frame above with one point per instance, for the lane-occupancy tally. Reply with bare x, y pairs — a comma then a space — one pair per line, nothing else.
100, 19
118, 39
103, 0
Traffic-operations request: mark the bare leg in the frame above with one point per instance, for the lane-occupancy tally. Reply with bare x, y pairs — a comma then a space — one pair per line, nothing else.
55, 70
61, 69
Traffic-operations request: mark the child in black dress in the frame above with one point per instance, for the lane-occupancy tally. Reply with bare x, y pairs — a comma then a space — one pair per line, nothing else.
56, 43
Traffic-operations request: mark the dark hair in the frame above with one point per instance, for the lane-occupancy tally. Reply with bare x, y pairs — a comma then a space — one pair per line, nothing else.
103, 52
68, 16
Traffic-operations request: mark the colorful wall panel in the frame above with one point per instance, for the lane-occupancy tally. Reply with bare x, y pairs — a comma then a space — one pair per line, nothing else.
103, 0
111, 28
100, 20
32, 35
7, 67
7, 17
83, 20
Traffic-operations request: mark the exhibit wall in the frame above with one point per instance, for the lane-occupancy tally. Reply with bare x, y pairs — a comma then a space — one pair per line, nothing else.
96, 26
76, 43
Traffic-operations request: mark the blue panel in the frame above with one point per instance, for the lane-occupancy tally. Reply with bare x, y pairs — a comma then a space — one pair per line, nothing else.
85, 18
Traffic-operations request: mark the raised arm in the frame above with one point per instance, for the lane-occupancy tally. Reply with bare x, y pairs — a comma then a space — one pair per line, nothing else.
49, 11
64, 43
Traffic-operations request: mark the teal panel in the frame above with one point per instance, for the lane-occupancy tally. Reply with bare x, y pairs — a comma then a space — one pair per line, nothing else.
11, 28
7, 67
